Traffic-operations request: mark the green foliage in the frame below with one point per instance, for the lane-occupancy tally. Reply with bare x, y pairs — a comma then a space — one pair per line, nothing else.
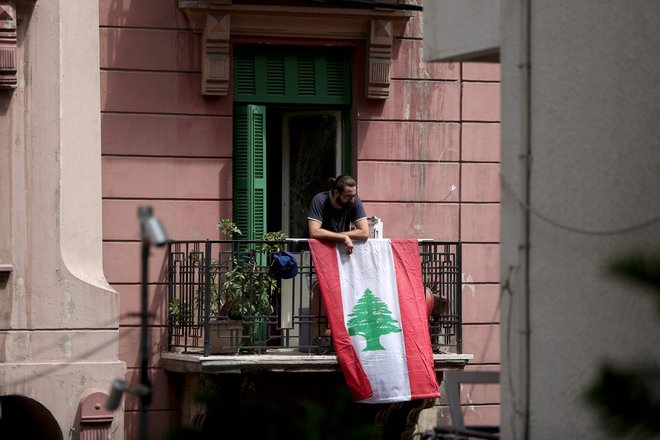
179, 312
239, 287
273, 236
248, 290
248, 287
628, 398
371, 319
227, 227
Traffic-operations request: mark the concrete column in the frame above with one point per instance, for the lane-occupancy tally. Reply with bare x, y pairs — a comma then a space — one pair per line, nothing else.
59, 325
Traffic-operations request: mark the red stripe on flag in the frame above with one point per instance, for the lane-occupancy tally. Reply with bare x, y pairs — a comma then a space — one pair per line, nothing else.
414, 319
324, 255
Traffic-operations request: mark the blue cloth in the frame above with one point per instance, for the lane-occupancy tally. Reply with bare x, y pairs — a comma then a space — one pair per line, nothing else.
284, 264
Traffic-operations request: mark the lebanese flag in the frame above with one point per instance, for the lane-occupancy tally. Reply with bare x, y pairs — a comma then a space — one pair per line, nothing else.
374, 299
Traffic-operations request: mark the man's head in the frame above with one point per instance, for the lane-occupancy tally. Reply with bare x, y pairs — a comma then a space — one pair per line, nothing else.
344, 191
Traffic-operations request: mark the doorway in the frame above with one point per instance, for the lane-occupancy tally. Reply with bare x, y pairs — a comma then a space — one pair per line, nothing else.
304, 150
291, 132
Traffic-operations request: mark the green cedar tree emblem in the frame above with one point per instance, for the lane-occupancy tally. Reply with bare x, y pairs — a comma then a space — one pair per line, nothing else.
372, 319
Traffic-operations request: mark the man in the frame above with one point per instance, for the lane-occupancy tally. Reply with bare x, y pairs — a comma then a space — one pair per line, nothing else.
331, 213
329, 217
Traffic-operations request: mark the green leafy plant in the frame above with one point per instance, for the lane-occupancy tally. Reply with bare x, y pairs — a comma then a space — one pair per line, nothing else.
240, 289
227, 227
180, 313
278, 236
248, 290
247, 287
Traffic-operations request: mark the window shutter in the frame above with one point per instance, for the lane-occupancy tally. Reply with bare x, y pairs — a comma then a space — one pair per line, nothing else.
249, 174
292, 75
245, 78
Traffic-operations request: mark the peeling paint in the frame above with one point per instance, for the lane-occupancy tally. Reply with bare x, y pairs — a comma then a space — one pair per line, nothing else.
467, 283
19, 287
67, 308
21, 340
406, 107
67, 305
72, 401
422, 66
66, 346
63, 282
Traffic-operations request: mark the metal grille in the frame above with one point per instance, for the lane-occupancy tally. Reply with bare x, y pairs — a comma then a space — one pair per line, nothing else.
222, 298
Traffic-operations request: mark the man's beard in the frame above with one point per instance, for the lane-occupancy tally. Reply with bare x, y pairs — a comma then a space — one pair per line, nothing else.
344, 204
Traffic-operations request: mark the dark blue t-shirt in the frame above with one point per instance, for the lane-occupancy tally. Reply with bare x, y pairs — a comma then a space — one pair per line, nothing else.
332, 219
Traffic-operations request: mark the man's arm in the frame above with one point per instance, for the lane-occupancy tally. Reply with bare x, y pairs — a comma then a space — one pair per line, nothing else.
360, 233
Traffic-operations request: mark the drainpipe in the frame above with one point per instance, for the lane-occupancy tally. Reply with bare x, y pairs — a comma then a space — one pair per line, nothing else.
525, 156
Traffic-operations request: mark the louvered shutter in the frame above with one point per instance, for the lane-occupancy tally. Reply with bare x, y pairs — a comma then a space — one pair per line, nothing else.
249, 173
292, 76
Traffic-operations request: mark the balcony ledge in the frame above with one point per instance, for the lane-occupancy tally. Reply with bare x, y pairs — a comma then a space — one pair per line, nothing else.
291, 362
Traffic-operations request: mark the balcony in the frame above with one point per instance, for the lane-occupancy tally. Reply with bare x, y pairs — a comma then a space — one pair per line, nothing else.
227, 312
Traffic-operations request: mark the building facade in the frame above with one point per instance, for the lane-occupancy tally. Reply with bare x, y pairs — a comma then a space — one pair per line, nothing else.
125, 103
60, 317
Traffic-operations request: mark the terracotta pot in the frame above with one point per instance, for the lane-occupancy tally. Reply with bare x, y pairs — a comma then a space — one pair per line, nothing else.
430, 301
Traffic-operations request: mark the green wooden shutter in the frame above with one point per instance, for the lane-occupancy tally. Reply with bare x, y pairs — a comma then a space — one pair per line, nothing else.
292, 75
249, 174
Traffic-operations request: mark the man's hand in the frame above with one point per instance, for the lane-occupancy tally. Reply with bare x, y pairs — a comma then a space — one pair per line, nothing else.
348, 243
346, 238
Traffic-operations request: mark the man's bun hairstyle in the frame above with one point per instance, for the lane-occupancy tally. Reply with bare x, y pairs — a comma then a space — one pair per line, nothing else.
340, 183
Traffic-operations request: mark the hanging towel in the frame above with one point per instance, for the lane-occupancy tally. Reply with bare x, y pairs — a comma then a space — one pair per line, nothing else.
374, 299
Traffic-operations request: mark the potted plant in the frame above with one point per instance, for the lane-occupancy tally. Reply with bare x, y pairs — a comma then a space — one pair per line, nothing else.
243, 296
180, 313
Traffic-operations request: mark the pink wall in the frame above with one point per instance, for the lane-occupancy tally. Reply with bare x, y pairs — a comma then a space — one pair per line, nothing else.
165, 145
431, 151
440, 128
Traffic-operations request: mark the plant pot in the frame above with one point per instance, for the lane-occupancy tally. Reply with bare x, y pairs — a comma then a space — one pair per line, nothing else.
225, 336
256, 332
430, 301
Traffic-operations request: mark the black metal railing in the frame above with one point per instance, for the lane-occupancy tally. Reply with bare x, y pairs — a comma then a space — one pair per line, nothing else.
223, 298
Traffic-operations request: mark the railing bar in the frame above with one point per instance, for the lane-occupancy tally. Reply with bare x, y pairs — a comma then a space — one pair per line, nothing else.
170, 292
187, 281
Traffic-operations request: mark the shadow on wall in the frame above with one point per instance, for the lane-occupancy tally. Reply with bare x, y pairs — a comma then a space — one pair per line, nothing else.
627, 398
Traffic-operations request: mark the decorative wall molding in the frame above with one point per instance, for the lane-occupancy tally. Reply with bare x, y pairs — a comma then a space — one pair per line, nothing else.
8, 45
216, 62
379, 61
219, 20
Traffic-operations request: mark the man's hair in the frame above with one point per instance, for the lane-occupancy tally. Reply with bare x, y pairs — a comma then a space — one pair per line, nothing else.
340, 183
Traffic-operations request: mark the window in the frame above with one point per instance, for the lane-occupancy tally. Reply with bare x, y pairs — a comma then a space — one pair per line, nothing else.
290, 133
